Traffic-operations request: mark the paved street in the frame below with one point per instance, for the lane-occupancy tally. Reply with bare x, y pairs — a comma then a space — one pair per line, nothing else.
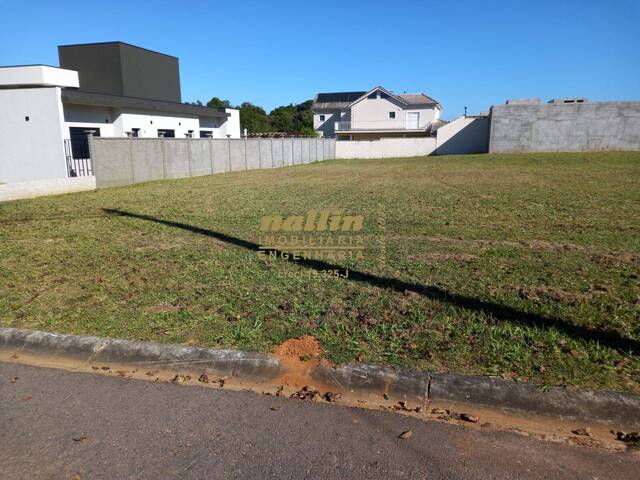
57, 424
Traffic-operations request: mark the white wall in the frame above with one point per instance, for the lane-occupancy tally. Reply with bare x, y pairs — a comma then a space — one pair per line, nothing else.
386, 148
115, 122
149, 124
90, 117
231, 127
31, 150
463, 135
38, 75
40, 188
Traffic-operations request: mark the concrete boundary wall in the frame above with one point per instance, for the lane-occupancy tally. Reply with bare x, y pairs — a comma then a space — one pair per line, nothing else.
41, 188
384, 148
124, 161
559, 127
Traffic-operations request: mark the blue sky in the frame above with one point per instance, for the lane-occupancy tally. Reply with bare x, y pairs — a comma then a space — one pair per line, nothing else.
271, 53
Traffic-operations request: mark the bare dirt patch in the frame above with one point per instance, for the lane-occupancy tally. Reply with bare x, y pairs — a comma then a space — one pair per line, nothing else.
443, 257
539, 294
162, 308
299, 356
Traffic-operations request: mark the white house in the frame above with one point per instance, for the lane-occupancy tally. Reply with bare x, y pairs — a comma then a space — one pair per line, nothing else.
375, 114
110, 89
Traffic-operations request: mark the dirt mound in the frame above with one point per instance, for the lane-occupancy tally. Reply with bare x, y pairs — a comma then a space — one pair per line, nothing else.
304, 349
299, 356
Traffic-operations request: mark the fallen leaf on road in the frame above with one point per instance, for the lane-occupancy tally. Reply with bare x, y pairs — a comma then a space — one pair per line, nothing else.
14, 379
75, 477
406, 434
582, 431
203, 378
80, 438
438, 411
306, 393
628, 437
181, 378
274, 408
26, 398
332, 397
469, 418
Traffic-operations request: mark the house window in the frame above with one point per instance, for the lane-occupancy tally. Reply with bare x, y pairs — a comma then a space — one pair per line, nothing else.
322, 118
135, 132
206, 134
166, 133
189, 134
392, 114
79, 142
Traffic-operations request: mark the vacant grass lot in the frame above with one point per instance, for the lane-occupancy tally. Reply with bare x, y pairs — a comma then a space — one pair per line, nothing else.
525, 266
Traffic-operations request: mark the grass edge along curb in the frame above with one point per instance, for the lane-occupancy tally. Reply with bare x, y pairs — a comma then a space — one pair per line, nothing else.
604, 406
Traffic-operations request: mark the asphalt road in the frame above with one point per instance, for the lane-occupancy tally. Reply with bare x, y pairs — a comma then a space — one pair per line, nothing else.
57, 424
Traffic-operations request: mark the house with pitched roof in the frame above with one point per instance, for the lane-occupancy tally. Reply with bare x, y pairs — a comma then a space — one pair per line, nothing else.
377, 113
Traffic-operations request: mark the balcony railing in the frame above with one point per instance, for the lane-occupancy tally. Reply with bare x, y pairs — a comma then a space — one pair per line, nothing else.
76, 152
379, 125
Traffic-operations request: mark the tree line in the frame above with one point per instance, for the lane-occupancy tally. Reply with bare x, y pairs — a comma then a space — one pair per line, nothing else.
291, 119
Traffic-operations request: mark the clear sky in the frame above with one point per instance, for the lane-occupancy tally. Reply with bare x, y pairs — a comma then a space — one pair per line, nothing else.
271, 53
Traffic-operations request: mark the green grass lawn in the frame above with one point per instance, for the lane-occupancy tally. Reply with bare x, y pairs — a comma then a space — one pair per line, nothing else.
525, 266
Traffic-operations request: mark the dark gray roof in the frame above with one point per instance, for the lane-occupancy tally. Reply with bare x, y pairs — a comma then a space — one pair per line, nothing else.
333, 100
342, 100
339, 96
79, 97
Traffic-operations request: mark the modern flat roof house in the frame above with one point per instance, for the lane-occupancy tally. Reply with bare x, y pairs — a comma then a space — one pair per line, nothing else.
110, 89
374, 114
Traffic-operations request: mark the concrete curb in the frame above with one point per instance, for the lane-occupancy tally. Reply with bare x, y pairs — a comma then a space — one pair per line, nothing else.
104, 350
607, 407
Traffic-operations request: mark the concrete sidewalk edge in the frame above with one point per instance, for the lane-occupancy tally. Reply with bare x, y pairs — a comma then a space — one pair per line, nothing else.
604, 406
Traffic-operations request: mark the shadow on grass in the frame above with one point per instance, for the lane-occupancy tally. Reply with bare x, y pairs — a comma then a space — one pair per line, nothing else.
610, 339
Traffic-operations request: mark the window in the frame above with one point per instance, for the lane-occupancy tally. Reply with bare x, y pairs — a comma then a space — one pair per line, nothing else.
166, 133
392, 114
189, 134
322, 118
79, 142
206, 134
135, 132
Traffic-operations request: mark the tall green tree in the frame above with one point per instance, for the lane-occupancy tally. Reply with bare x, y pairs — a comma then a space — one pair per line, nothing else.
254, 118
216, 102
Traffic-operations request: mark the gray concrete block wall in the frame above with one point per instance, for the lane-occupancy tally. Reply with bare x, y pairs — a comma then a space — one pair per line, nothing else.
176, 155
297, 151
265, 153
287, 153
114, 165
200, 159
123, 161
238, 155
150, 164
252, 154
220, 156
590, 126
276, 153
